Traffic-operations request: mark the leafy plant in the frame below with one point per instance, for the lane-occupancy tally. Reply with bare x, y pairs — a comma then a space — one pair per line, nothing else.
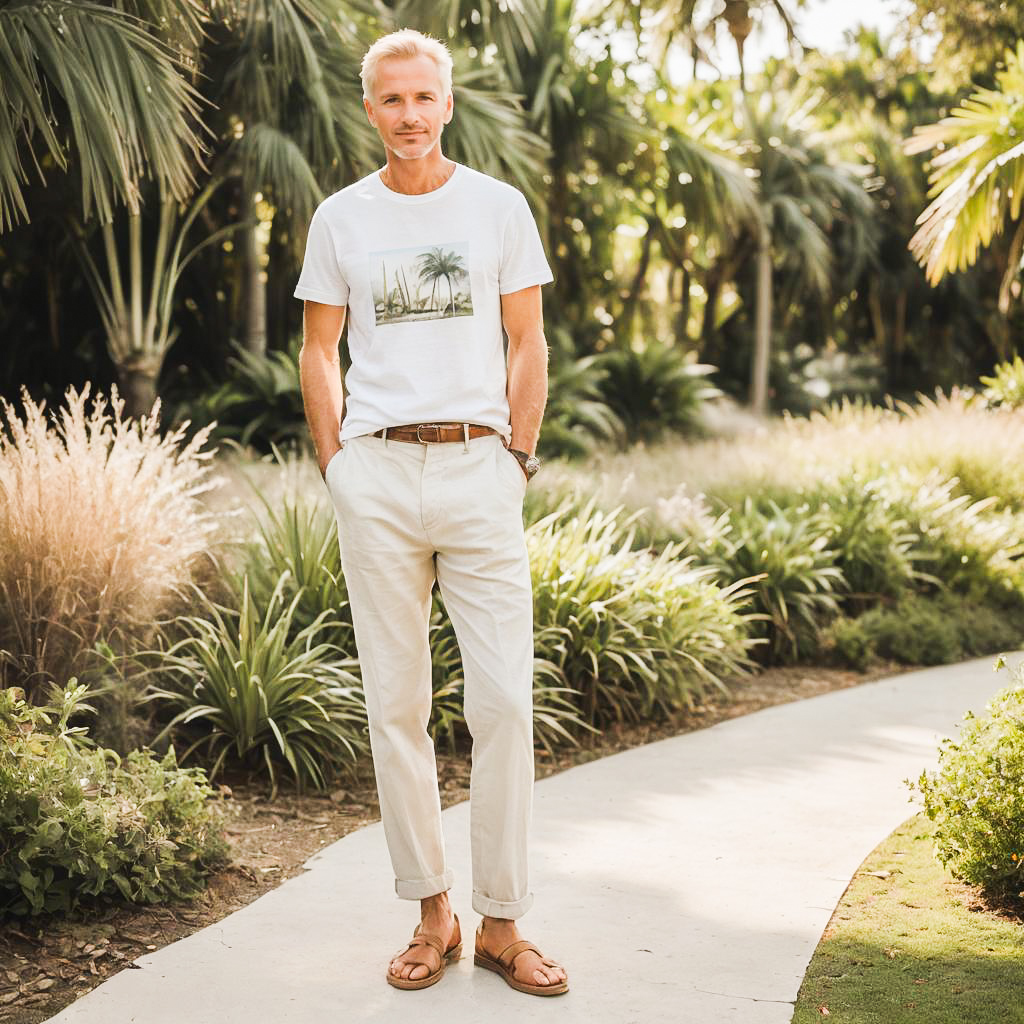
656, 389
976, 796
82, 824
259, 405
261, 695
788, 559
972, 547
296, 550
876, 550
100, 529
636, 634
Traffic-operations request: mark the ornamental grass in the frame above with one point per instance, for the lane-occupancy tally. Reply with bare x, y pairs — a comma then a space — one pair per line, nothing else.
100, 529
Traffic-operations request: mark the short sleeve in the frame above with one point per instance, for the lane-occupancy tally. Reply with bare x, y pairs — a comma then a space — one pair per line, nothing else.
523, 262
321, 279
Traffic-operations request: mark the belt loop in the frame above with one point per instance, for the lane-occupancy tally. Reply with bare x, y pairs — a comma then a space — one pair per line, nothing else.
465, 435
385, 437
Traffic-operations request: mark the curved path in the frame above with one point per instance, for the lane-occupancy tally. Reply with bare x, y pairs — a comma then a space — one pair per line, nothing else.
688, 880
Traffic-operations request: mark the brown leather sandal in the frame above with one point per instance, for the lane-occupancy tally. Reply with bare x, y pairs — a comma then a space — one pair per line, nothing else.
444, 957
503, 965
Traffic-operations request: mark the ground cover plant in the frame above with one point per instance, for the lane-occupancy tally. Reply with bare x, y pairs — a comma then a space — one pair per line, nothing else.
82, 825
908, 944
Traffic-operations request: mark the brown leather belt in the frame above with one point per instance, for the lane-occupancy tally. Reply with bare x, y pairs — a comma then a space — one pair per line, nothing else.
434, 433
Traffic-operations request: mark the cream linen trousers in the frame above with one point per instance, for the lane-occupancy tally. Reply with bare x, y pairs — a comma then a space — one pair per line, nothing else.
409, 513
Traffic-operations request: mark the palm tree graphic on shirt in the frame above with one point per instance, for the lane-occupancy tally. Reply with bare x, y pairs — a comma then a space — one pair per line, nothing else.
422, 283
437, 263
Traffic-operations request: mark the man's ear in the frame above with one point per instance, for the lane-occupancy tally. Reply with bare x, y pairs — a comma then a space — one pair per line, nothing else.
369, 111
449, 108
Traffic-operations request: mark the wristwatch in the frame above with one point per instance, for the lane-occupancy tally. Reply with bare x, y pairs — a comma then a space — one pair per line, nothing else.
530, 463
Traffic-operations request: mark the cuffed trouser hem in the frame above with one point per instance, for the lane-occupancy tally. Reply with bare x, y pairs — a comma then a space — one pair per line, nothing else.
495, 908
421, 888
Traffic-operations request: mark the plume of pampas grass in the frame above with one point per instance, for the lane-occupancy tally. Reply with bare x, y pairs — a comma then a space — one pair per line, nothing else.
101, 528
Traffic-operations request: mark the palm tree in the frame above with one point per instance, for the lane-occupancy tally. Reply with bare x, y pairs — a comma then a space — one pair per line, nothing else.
286, 125
274, 130
437, 263
57, 93
591, 124
679, 18
806, 197
977, 179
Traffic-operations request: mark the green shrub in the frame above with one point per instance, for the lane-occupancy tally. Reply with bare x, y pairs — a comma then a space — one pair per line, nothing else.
636, 634
976, 796
917, 630
914, 631
656, 389
259, 405
875, 547
787, 559
970, 547
848, 643
80, 824
262, 694
100, 530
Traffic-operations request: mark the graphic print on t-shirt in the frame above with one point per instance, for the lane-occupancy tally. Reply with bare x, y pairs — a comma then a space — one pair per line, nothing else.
422, 283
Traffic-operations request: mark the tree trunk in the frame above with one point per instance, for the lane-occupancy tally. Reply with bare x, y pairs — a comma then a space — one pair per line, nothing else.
639, 278
762, 329
254, 336
138, 387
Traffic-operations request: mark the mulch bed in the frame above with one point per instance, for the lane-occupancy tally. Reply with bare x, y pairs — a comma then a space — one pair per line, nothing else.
47, 963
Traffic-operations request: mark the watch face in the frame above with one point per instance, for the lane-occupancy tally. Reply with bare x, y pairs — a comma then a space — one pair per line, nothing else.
531, 466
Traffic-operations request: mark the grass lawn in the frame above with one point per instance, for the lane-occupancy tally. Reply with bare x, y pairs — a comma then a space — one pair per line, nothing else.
908, 944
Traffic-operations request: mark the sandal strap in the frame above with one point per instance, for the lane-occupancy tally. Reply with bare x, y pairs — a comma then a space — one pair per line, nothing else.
424, 939
508, 955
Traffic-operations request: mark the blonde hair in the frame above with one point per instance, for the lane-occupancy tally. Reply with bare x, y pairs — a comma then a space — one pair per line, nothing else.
405, 43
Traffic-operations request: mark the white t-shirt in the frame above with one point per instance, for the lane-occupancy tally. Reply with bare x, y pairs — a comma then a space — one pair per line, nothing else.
421, 276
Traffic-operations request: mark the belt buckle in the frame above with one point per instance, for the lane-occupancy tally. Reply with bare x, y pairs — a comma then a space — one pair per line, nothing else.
436, 427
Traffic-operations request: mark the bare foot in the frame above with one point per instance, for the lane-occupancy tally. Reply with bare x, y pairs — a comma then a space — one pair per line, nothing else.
497, 934
436, 918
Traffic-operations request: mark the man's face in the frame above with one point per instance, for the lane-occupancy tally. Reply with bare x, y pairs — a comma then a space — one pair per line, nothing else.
409, 108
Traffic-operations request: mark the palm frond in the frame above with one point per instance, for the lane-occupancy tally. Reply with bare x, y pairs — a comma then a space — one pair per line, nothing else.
714, 190
86, 82
977, 174
489, 132
272, 161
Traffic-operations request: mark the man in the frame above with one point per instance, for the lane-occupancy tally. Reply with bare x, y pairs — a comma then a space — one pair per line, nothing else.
429, 261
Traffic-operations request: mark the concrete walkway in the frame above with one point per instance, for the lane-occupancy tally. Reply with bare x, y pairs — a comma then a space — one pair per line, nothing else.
686, 881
